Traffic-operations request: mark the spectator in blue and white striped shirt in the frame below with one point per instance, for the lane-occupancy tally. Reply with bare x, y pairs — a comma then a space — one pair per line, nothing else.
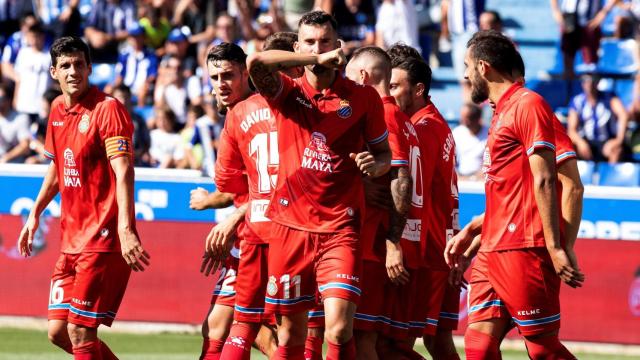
17, 41
60, 17
107, 26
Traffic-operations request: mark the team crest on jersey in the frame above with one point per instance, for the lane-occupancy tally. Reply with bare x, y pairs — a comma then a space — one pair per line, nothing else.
83, 125
344, 111
272, 286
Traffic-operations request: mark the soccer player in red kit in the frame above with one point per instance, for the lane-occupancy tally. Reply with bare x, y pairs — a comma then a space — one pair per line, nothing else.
382, 226
89, 140
434, 214
249, 143
521, 234
324, 122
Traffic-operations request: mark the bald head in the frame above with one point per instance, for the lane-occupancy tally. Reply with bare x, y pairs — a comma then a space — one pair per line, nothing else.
370, 65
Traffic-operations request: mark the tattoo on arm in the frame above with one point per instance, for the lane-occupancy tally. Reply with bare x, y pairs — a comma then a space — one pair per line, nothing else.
401, 192
266, 81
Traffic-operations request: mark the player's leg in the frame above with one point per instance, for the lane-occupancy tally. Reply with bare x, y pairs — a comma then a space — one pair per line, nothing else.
338, 273
366, 323
100, 283
267, 339
60, 291
291, 288
315, 334
440, 344
488, 316
534, 304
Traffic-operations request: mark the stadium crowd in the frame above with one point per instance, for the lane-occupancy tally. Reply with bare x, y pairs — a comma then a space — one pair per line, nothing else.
150, 55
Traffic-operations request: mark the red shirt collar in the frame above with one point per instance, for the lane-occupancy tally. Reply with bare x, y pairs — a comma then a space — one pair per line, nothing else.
507, 95
338, 82
427, 111
86, 101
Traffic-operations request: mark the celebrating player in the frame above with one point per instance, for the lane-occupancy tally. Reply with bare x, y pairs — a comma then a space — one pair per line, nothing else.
372, 66
89, 140
521, 234
323, 121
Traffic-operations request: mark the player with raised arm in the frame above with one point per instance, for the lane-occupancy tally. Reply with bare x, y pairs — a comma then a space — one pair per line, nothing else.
383, 224
433, 308
250, 145
521, 235
323, 121
89, 140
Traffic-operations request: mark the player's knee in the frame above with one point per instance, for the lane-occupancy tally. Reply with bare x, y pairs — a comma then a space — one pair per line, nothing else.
58, 336
291, 330
338, 331
79, 334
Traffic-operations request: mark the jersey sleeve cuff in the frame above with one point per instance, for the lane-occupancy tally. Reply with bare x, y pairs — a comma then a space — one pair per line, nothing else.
399, 162
118, 146
379, 139
539, 145
566, 156
49, 155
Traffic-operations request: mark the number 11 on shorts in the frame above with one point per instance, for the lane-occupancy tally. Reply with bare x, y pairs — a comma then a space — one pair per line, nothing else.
287, 281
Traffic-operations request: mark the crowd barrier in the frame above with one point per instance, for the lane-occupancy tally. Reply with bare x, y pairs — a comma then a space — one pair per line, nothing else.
606, 309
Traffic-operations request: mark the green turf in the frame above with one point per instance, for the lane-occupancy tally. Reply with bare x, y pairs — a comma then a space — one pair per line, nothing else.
19, 344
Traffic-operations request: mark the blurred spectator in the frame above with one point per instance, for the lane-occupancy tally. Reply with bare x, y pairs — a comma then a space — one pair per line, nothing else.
356, 23
39, 129
490, 20
255, 32
32, 73
390, 31
60, 17
141, 137
107, 25
193, 152
471, 138
166, 144
14, 130
226, 31
176, 91
199, 16
156, 26
623, 28
294, 9
11, 11
17, 41
177, 45
206, 134
460, 20
137, 66
597, 123
579, 22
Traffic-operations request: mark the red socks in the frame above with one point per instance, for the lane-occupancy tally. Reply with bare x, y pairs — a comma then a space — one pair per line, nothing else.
547, 348
346, 351
481, 346
407, 350
211, 349
289, 353
107, 354
238, 344
87, 351
313, 348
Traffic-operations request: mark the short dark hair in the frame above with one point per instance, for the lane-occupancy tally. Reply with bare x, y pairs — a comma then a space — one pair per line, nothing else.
316, 18
196, 109
496, 16
282, 40
124, 89
417, 72
401, 51
36, 28
67, 45
377, 53
495, 48
475, 111
229, 52
518, 64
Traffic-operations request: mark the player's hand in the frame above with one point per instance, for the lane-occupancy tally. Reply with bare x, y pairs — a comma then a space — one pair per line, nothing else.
395, 265
210, 264
132, 251
25, 240
220, 239
456, 274
564, 269
456, 247
366, 162
198, 199
333, 59
377, 195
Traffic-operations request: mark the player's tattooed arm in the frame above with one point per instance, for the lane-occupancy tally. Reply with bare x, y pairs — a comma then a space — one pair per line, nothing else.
48, 191
401, 184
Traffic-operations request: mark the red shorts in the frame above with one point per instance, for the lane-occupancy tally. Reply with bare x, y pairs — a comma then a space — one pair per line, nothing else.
518, 284
430, 299
301, 263
401, 306
449, 312
87, 288
225, 291
372, 306
251, 282
316, 317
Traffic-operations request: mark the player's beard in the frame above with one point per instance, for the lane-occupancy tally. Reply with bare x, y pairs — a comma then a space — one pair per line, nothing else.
479, 89
318, 69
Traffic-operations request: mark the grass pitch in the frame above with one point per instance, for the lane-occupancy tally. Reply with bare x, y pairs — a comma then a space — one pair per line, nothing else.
20, 344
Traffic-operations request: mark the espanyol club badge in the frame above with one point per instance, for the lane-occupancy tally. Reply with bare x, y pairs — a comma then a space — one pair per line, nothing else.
83, 125
272, 287
344, 111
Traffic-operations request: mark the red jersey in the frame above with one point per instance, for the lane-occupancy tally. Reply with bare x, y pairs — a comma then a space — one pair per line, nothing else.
249, 143
435, 189
319, 186
81, 141
522, 124
376, 220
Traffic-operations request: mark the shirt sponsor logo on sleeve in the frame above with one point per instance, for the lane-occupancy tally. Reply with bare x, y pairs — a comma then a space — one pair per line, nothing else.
71, 174
316, 155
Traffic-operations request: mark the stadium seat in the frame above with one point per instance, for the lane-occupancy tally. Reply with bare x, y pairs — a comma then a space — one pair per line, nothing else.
618, 57
146, 112
102, 75
622, 174
624, 90
586, 169
555, 92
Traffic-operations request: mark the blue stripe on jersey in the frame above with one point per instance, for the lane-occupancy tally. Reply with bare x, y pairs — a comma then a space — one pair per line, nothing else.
337, 285
243, 309
393, 323
223, 293
485, 304
417, 324
448, 315
365, 317
293, 301
399, 162
432, 322
91, 314
537, 144
49, 155
566, 155
59, 306
313, 314
544, 320
379, 138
